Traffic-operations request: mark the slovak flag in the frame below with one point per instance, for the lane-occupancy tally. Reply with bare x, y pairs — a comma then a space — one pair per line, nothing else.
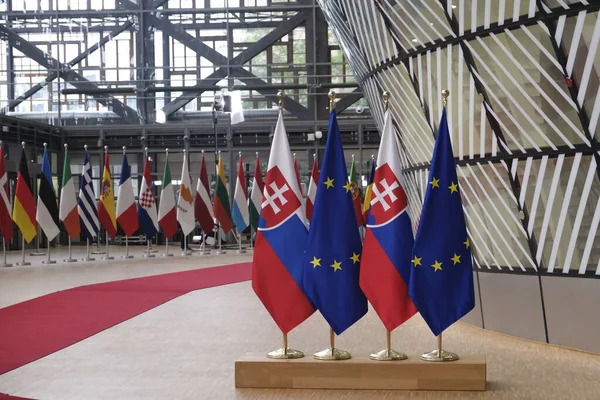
281, 240
147, 213
387, 248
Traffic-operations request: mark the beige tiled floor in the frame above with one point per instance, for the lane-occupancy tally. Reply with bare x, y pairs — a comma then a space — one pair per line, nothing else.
185, 349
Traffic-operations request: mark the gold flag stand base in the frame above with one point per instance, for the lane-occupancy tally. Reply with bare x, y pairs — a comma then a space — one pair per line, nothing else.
332, 354
285, 353
388, 355
439, 355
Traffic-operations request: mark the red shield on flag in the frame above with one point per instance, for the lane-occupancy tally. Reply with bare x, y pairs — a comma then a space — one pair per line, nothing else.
279, 199
388, 198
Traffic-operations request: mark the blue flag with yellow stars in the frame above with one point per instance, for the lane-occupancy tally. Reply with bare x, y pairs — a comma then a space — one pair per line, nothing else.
441, 277
331, 266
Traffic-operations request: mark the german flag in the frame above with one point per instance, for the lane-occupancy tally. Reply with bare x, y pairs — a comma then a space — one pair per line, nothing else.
24, 205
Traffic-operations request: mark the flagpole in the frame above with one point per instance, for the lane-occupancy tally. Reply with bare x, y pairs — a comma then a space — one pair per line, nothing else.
203, 251
166, 253
70, 258
251, 234
285, 351
148, 252
88, 256
4, 263
107, 256
37, 252
23, 262
240, 250
388, 354
185, 251
332, 353
440, 354
48, 260
127, 255
251, 228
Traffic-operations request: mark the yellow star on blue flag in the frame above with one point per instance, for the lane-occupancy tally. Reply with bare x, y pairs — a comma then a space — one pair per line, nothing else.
334, 240
443, 293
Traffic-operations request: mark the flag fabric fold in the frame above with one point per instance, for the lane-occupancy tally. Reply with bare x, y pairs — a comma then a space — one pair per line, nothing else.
47, 207
86, 202
281, 240
311, 193
185, 206
5, 207
239, 214
297, 171
441, 278
222, 210
68, 213
356, 200
167, 214
106, 204
126, 208
203, 210
23, 212
368, 192
254, 203
387, 248
147, 214
332, 261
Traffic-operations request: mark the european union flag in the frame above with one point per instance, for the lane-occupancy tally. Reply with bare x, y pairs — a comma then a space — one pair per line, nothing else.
441, 276
331, 266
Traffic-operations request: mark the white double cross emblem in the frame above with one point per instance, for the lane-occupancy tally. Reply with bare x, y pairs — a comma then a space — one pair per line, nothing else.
277, 195
388, 190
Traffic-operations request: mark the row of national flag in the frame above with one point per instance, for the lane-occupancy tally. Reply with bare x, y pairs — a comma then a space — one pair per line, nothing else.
80, 213
298, 268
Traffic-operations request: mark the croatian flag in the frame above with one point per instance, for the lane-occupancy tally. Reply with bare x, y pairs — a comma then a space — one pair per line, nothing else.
147, 213
281, 240
387, 248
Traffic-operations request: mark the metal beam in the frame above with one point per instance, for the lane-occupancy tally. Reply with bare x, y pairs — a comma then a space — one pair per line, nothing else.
348, 100
185, 98
53, 75
184, 25
217, 58
270, 38
145, 62
115, 12
70, 76
270, 92
187, 40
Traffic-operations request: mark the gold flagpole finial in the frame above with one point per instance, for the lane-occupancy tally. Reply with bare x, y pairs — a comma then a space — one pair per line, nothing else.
386, 99
445, 94
280, 96
331, 96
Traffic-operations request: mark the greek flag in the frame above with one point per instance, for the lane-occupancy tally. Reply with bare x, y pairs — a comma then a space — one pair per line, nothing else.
86, 204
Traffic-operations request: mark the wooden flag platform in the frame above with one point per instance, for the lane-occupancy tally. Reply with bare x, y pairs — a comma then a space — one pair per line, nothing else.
255, 370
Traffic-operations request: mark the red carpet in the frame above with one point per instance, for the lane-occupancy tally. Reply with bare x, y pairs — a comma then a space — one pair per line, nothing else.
38, 327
